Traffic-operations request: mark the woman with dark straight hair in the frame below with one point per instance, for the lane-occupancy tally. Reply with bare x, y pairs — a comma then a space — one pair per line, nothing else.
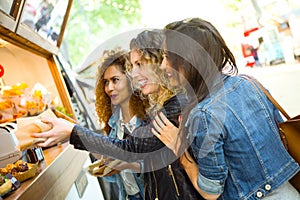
230, 123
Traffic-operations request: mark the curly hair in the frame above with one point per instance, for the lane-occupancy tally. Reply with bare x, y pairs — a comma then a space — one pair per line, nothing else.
103, 106
149, 44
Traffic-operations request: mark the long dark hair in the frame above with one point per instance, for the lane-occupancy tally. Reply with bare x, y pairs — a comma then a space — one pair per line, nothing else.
196, 49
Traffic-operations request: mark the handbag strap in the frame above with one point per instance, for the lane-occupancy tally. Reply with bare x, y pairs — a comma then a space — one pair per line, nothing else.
270, 97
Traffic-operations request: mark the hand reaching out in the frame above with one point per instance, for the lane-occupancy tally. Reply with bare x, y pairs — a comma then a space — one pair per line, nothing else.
122, 165
61, 131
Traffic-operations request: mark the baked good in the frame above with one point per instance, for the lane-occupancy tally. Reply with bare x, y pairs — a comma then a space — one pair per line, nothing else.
5, 185
20, 170
103, 167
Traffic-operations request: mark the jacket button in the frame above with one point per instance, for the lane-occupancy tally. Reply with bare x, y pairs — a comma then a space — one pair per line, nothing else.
259, 194
268, 187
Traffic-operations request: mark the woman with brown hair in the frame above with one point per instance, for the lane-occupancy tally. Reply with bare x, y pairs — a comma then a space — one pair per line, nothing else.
118, 107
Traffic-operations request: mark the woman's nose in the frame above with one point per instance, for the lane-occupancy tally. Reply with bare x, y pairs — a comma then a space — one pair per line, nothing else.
110, 86
163, 64
135, 71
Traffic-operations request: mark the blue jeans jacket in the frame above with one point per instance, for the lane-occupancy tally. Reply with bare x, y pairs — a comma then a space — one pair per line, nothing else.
114, 123
237, 143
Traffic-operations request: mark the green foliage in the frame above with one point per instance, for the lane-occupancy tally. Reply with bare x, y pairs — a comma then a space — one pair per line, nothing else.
232, 5
93, 21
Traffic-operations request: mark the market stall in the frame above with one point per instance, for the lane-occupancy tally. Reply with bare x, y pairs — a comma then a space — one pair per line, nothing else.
31, 83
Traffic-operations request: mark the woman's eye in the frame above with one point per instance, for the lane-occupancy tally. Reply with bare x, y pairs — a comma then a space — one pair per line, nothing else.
164, 55
115, 80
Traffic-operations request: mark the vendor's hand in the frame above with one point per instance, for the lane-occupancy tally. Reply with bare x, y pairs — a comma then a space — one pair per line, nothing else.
61, 131
166, 132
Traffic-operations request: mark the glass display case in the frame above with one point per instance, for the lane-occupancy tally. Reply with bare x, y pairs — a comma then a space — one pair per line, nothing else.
37, 25
9, 11
44, 17
6, 6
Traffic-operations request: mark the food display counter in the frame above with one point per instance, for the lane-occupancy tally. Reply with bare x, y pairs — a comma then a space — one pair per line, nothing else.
31, 34
55, 175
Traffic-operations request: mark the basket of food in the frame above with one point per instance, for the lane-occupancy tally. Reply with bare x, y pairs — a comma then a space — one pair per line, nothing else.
20, 170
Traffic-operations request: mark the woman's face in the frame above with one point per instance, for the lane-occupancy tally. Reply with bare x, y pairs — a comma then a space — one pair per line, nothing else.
171, 73
143, 74
116, 86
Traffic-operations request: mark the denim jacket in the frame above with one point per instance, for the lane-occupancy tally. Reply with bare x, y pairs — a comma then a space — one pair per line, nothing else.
237, 144
139, 178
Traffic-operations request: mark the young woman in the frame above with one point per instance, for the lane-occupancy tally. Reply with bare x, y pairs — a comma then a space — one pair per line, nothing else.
163, 175
118, 107
232, 125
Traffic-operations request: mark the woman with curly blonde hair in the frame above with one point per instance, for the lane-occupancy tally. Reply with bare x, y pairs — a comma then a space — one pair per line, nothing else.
150, 58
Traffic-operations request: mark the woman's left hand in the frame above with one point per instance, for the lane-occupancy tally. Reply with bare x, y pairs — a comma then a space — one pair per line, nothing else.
166, 132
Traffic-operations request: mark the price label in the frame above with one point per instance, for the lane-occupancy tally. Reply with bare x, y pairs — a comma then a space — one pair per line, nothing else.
1, 71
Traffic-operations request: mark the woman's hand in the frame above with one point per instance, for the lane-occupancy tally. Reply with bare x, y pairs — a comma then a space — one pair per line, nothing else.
166, 132
61, 131
125, 165
191, 168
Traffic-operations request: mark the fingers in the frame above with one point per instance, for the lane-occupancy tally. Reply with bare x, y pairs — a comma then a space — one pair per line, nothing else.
165, 120
46, 134
162, 138
48, 120
156, 133
119, 166
42, 144
49, 142
156, 125
160, 121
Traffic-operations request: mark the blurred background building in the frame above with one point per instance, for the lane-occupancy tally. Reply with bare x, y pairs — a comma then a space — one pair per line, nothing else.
273, 29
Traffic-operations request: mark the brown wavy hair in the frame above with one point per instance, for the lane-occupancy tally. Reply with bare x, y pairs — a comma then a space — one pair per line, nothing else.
104, 108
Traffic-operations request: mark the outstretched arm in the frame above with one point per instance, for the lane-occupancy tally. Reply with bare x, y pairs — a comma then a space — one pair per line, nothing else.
134, 148
61, 131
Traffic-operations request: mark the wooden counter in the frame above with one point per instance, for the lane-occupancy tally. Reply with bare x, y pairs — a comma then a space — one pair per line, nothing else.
55, 176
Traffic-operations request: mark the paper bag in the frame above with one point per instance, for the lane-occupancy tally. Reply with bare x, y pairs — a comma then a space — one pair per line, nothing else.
28, 125
103, 167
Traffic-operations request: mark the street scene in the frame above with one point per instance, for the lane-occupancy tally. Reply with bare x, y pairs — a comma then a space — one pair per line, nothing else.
122, 99
283, 81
